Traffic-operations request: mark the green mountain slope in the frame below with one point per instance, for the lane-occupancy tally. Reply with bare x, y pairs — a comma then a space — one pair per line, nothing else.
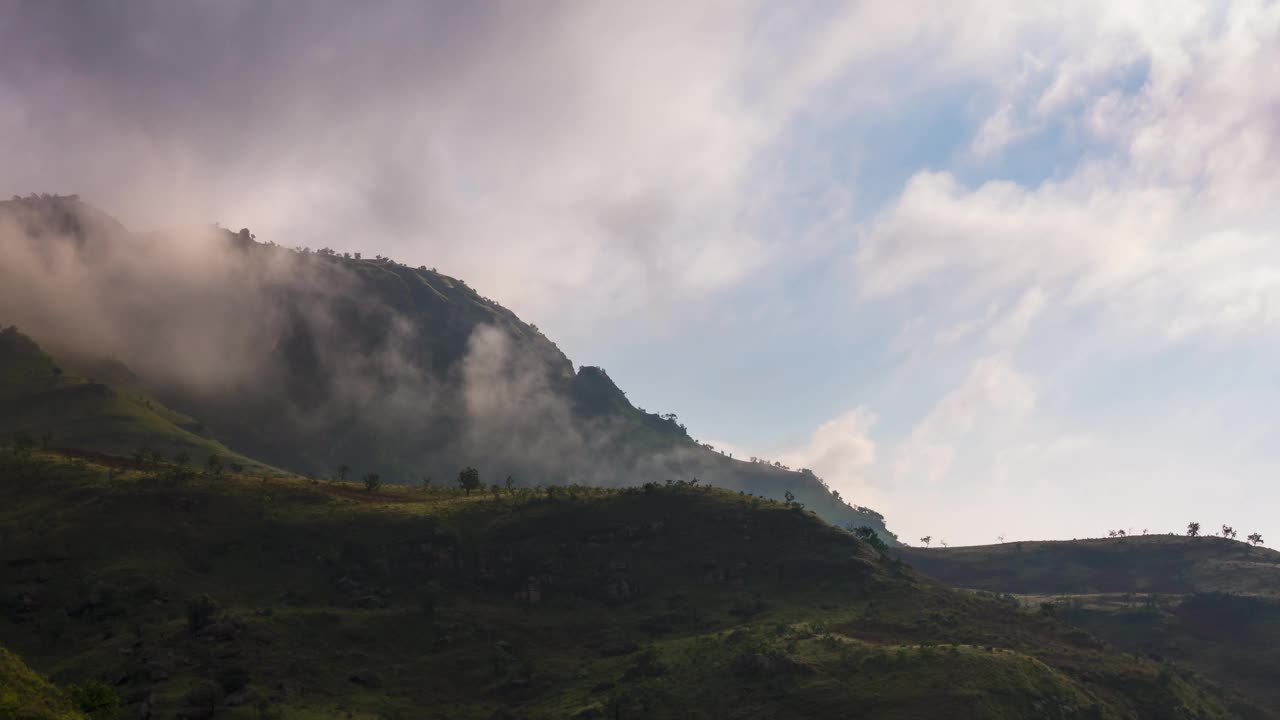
1207, 603
25, 695
248, 597
39, 401
312, 360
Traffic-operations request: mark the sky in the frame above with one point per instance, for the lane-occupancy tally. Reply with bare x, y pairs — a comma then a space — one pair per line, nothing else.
998, 269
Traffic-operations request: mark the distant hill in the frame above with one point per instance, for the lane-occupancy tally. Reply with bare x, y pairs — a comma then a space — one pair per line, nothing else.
243, 597
314, 361
1137, 564
1208, 603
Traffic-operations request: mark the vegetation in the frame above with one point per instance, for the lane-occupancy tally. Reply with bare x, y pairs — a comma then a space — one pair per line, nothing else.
469, 479
1207, 603
278, 595
39, 399
25, 695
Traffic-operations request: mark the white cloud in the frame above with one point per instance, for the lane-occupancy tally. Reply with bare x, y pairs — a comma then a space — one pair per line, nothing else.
841, 452
992, 400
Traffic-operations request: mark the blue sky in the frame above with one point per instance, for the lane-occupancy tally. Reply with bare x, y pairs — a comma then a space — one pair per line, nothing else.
1006, 269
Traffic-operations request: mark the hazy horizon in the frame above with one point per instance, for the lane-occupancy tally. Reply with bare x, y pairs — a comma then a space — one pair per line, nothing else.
1004, 269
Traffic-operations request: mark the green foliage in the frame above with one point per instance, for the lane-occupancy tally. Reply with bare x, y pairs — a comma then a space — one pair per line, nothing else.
871, 537
412, 605
97, 700
372, 482
469, 479
26, 695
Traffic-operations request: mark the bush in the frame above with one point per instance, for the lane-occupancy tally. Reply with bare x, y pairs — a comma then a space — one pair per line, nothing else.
372, 482
98, 701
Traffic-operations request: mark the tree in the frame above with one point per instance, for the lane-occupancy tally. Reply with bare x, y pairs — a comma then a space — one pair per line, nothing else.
1193, 529
871, 537
790, 498
426, 483
469, 479
1228, 532
342, 472
372, 481
214, 465
926, 540
1255, 539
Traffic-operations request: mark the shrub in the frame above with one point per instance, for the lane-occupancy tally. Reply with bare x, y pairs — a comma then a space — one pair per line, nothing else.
372, 482
98, 701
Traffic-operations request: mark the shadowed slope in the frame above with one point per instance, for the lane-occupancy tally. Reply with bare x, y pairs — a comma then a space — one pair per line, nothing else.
218, 595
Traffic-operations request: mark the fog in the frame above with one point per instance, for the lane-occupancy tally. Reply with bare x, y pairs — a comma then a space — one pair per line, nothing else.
243, 332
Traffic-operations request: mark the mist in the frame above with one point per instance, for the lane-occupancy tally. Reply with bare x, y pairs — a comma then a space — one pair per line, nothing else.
230, 328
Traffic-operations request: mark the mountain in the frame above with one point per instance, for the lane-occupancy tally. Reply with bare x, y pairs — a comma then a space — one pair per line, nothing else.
1207, 603
315, 361
201, 595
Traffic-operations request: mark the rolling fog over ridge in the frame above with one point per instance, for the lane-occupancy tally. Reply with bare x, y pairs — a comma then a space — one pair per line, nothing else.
316, 362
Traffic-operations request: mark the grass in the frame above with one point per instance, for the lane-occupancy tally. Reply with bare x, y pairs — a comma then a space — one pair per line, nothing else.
325, 600
1137, 564
41, 401
1208, 603
25, 695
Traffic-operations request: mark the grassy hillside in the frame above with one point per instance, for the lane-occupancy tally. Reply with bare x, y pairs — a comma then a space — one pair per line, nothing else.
1137, 564
1209, 603
25, 695
42, 403
250, 597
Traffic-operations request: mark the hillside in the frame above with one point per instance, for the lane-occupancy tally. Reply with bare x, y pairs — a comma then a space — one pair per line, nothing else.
25, 695
233, 596
1209, 603
1164, 564
313, 360
42, 403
